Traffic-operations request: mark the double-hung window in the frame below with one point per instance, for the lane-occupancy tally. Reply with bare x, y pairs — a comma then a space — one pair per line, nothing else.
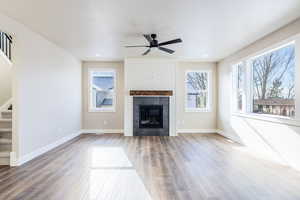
270, 78
197, 87
102, 90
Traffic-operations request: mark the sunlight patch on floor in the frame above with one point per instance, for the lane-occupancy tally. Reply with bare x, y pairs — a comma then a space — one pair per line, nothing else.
112, 176
105, 157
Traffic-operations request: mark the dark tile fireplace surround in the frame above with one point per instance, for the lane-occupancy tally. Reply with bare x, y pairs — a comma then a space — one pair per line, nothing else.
150, 116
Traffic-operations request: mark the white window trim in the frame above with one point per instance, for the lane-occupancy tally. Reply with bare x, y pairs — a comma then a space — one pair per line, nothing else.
208, 90
235, 89
270, 118
90, 99
248, 113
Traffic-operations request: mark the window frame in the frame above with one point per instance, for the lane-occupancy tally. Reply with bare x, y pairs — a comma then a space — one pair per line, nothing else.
208, 90
90, 96
247, 61
237, 89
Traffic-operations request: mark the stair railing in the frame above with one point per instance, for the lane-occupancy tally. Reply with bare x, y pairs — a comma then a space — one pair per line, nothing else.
6, 44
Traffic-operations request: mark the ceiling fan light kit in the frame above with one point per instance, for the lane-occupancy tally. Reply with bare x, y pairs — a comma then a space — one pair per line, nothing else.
153, 43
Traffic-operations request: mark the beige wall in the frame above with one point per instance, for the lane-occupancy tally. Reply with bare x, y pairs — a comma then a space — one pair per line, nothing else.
272, 139
195, 120
186, 121
108, 121
5, 81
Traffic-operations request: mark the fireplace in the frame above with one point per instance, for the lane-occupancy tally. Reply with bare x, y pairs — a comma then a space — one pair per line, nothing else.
150, 116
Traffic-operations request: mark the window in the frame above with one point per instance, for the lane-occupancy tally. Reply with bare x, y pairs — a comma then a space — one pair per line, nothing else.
270, 82
240, 87
274, 82
102, 90
197, 91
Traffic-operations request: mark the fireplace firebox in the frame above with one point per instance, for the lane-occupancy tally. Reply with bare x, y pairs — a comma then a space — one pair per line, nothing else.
150, 116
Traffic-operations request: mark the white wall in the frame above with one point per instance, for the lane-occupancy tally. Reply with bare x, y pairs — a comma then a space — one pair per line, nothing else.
103, 121
5, 80
267, 138
149, 74
46, 91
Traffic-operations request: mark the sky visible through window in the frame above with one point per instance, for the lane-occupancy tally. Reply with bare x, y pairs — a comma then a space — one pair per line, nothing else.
274, 82
103, 86
274, 74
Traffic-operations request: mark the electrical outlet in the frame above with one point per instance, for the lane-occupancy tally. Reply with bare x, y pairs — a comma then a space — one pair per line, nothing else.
104, 122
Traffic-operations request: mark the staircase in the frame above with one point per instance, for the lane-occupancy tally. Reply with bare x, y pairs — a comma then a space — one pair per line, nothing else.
6, 45
5, 136
5, 114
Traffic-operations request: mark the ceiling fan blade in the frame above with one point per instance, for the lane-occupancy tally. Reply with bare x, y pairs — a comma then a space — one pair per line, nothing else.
170, 42
166, 50
136, 46
146, 52
148, 38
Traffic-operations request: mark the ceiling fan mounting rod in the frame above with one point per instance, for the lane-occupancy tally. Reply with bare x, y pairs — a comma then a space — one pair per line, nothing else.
153, 36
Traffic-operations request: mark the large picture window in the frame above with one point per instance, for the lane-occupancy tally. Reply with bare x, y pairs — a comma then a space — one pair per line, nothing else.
274, 82
197, 91
270, 82
102, 90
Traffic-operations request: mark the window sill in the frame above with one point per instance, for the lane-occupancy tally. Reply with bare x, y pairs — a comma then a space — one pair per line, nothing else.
102, 110
270, 118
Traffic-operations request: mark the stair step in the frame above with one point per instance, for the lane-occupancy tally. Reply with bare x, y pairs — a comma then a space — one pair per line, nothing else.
5, 141
4, 154
5, 130
5, 120
6, 111
5, 123
4, 161
6, 114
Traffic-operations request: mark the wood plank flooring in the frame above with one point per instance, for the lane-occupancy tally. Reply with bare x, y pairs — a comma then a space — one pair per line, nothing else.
113, 167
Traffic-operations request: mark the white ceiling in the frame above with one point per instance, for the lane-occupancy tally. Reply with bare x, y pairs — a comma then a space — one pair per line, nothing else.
98, 29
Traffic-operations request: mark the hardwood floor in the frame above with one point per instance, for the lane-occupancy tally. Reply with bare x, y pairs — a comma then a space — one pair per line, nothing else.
113, 167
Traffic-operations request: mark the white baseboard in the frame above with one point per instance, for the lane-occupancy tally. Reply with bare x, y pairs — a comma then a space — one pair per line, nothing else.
43, 150
196, 130
13, 159
101, 131
227, 136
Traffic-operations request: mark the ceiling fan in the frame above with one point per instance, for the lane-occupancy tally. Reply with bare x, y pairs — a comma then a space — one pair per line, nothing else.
153, 43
